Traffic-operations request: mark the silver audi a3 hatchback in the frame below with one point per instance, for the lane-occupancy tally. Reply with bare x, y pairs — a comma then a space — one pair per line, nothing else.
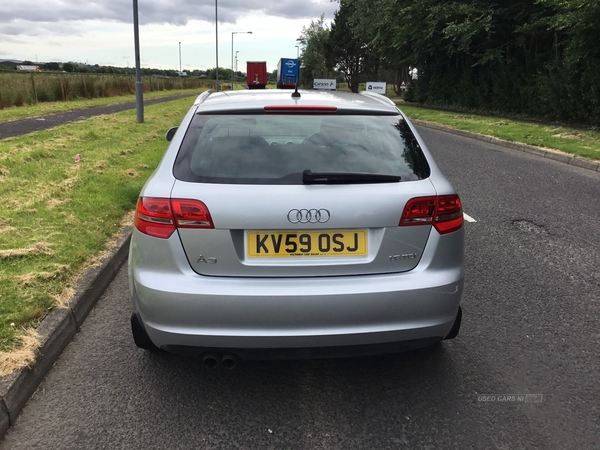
286, 224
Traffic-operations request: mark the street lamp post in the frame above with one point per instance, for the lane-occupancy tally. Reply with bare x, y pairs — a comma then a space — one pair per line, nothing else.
232, 33
180, 69
139, 91
297, 52
236, 65
217, 47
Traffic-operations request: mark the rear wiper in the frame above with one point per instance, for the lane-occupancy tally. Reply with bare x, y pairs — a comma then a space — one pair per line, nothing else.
309, 177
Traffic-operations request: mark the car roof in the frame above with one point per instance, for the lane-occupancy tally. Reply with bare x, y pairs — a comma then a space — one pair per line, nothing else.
259, 98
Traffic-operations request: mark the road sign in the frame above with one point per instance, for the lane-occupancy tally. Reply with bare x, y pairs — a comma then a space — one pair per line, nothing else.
376, 86
324, 84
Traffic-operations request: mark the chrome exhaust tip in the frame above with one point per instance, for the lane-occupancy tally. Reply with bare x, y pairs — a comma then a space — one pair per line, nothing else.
211, 360
229, 362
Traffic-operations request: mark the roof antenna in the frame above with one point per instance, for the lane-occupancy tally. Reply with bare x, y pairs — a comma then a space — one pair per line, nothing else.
296, 94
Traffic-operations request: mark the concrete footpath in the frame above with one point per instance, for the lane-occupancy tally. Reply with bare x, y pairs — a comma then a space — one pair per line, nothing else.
60, 326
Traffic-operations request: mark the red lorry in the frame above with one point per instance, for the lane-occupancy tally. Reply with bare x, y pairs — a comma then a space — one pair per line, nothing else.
256, 74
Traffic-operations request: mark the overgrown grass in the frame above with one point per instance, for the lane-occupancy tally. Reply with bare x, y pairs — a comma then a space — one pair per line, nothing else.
64, 193
585, 144
19, 89
24, 112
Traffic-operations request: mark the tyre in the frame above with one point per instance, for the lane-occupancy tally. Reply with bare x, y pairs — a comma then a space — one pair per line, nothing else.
140, 337
456, 327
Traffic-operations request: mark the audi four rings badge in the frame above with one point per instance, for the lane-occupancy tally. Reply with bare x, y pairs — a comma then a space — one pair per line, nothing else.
308, 216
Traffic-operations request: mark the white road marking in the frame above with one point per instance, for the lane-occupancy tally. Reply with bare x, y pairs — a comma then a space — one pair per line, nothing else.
468, 218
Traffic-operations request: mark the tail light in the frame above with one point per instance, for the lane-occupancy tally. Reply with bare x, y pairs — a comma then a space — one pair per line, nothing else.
449, 214
444, 212
160, 217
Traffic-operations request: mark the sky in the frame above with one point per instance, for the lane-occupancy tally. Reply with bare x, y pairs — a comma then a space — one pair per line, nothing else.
101, 31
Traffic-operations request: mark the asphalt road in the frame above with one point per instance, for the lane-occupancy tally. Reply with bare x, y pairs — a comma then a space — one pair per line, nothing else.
29, 125
530, 326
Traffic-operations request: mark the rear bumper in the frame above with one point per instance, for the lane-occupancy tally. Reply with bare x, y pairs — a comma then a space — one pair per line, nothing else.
303, 352
258, 318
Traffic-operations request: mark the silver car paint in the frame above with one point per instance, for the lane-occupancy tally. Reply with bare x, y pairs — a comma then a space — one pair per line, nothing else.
238, 208
178, 306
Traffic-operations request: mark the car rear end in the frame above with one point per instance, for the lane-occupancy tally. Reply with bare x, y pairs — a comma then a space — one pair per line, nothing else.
280, 227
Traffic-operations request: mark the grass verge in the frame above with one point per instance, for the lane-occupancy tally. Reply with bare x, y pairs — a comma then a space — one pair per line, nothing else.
585, 144
25, 112
65, 192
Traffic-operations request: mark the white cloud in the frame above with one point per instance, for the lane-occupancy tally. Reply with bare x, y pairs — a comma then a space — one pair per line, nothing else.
101, 32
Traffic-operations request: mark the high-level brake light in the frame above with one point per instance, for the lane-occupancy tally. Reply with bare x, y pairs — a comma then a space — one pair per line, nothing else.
301, 108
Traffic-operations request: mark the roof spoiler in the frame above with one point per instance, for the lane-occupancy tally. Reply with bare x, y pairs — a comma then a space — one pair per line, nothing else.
380, 98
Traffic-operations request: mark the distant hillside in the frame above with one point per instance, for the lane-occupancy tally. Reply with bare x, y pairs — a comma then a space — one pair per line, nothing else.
8, 64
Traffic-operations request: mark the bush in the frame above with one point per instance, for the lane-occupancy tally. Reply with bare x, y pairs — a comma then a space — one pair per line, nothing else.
409, 93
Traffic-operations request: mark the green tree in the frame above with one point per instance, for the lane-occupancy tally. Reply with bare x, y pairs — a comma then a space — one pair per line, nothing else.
349, 48
571, 86
51, 66
536, 58
313, 42
224, 74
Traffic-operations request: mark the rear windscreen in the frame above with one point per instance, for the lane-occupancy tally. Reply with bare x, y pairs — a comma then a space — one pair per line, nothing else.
276, 149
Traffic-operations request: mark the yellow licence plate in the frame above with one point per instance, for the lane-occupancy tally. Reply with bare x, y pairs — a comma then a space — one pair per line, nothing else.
282, 244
